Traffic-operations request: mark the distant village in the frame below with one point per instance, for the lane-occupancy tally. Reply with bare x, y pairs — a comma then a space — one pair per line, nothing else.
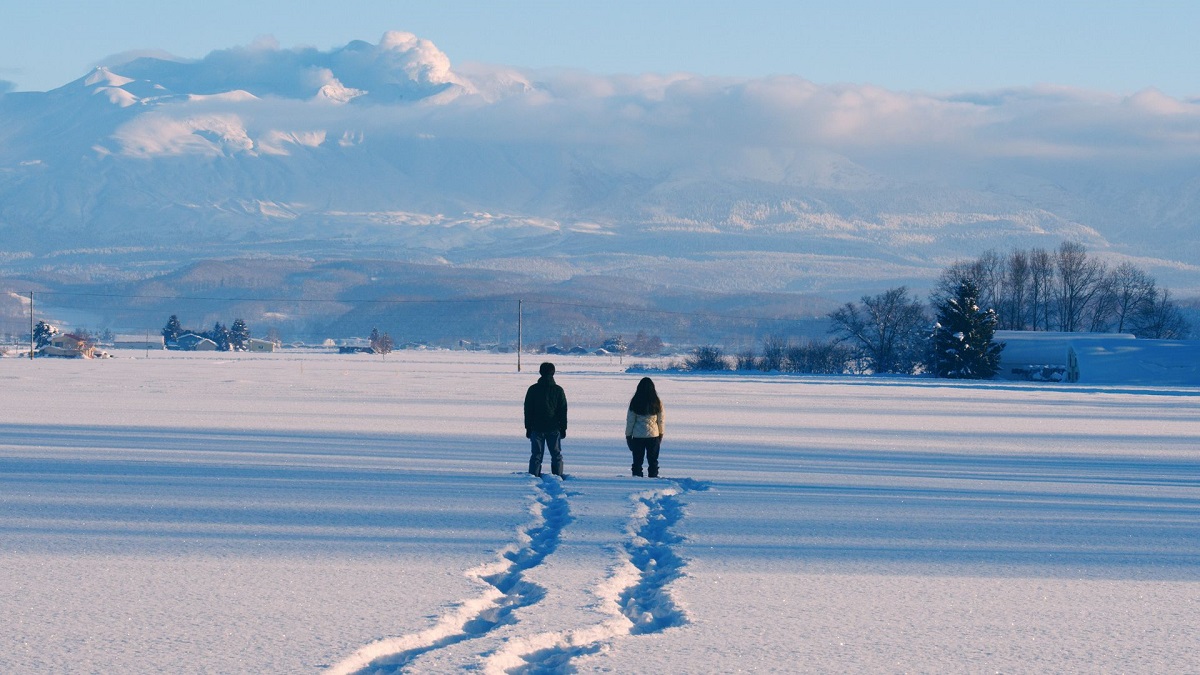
1035, 316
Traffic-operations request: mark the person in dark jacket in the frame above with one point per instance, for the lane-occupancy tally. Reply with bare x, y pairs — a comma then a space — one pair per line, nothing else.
644, 427
545, 421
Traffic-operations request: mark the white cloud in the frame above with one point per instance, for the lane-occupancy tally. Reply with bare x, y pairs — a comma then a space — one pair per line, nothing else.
401, 67
1154, 102
122, 58
404, 86
419, 59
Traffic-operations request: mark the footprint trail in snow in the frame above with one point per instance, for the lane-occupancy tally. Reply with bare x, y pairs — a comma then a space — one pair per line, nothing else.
508, 591
636, 594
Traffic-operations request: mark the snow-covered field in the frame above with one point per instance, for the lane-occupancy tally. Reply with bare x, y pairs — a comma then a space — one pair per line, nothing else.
293, 513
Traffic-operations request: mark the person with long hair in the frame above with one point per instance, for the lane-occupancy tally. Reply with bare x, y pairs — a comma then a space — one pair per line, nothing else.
644, 427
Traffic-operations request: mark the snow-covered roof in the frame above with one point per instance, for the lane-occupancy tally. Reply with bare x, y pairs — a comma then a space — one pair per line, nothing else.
138, 338
1146, 362
1041, 347
1110, 358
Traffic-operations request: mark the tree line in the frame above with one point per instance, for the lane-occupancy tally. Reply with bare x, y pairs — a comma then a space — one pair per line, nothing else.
234, 338
1035, 290
1067, 290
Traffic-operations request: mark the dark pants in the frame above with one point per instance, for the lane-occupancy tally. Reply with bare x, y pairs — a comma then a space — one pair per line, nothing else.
645, 449
539, 443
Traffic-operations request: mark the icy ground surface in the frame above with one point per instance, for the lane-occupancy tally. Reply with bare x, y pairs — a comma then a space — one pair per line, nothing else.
294, 513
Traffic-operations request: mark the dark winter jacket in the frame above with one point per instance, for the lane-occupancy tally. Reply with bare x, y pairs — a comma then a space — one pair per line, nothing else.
545, 407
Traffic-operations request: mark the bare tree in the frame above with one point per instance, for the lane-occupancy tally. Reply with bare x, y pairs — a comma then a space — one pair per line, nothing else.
823, 358
747, 360
1133, 290
1103, 305
1064, 290
1013, 307
986, 272
989, 278
829, 358
707, 357
645, 344
381, 343
1161, 319
1079, 280
1041, 288
774, 353
889, 330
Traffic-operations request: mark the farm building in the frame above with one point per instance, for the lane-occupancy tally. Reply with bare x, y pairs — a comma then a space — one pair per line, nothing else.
138, 342
1044, 356
1145, 362
1094, 358
69, 345
190, 342
259, 346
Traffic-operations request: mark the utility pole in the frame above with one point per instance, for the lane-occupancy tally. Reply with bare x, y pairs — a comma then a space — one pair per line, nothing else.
31, 340
520, 328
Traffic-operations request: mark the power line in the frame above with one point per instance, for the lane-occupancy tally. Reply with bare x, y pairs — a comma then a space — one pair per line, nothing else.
708, 315
400, 301
253, 299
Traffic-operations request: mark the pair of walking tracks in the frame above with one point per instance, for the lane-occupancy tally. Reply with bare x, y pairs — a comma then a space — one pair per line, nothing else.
634, 595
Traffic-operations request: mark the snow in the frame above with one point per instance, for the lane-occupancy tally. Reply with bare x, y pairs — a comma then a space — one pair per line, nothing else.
833, 190
235, 96
1146, 362
107, 78
336, 92
1099, 358
300, 512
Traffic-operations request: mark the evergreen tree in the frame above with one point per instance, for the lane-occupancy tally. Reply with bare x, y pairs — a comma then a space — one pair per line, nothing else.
374, 339
615, 345
962, 338
172, 330
220, 335
43, 333
239, 335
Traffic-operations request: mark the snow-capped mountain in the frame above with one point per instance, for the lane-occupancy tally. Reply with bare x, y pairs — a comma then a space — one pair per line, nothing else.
385, 151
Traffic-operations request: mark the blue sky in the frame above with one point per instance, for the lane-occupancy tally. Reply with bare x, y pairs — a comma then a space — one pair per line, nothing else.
1117, 47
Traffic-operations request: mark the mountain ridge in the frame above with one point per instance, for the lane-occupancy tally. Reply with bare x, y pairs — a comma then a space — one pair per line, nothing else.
140, 169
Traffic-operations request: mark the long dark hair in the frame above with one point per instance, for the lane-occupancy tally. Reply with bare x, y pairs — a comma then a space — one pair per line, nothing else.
645, 400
